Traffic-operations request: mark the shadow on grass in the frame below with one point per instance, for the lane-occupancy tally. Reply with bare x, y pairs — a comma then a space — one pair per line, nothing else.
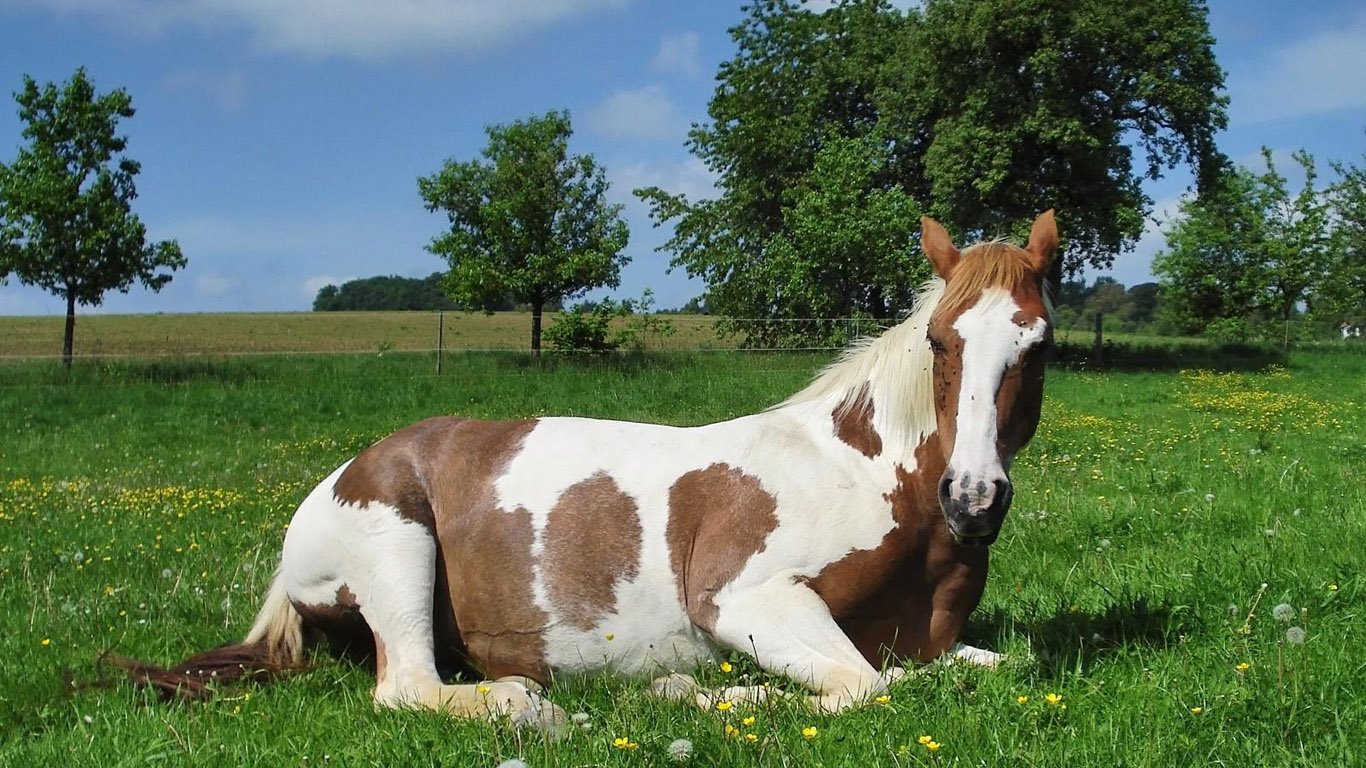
1117, 356
1065, 640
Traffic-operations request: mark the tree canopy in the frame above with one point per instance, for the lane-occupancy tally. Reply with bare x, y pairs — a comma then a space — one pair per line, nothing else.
527, 220
979, 112
66, 220
391, 293
1247, 249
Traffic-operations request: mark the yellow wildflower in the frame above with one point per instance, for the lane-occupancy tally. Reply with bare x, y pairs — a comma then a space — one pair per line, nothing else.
1021, 699
726, 667
1243, 667
46, 642
748, 720
621, 742
883, 699
610, 637
724, 706
925, 739
1197, 710
751, 738
809, 732
731, 730
1053, 699
483, 690
933, 746
1332, 587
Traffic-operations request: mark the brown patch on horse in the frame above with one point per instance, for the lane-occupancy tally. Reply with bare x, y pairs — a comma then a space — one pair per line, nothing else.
908, 596
853, 419
340, 625
591, 543
389, 471
485, 567
719, 517
440, 473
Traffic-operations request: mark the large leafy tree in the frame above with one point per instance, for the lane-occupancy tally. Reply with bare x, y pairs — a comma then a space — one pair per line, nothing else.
982, 112
1342, 294
528, 220
1247, 249
66, 220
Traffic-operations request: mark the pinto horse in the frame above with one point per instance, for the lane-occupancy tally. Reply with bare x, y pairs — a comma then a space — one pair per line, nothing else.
828, 537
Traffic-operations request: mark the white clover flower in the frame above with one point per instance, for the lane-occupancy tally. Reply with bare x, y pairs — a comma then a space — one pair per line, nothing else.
1283, 612
680, 750
1295, 635
1209, 497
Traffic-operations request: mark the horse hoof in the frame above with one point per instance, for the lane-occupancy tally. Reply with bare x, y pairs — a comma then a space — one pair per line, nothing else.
675, 687
543, 716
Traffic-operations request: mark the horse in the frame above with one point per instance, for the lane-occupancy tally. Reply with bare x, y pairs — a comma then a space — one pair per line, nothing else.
830, 537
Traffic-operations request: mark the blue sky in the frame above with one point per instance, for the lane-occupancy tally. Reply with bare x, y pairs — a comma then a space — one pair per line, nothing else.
281, 140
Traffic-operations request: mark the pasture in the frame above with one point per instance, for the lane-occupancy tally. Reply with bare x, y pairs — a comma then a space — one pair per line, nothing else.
1178, 582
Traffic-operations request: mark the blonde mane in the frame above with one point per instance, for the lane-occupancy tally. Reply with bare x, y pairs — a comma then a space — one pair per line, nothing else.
896, 367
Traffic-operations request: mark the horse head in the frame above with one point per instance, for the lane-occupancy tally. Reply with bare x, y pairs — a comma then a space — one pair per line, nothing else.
988, 336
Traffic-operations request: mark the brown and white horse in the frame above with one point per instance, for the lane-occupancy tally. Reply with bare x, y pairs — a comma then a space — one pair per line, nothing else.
828, 537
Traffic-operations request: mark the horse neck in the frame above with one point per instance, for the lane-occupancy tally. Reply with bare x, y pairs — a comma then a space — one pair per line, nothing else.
891, 375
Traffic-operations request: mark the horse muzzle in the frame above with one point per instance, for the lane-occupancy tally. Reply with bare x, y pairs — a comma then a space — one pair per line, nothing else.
974, 508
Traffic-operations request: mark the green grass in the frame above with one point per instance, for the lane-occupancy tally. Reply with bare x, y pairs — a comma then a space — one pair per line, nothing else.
142, 504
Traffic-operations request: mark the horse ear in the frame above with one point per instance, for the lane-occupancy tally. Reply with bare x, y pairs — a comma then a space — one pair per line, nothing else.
938, 248
1043, 241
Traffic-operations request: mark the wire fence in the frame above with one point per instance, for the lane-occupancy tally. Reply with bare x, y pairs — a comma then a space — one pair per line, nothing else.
302, 334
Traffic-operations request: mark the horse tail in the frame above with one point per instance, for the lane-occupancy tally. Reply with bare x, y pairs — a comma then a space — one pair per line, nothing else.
273, 648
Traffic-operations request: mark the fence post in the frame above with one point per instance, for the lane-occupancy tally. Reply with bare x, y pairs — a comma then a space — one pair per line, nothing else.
1098, 347
440, 338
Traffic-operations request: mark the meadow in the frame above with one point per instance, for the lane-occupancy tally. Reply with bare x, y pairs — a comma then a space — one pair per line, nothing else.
1178, 582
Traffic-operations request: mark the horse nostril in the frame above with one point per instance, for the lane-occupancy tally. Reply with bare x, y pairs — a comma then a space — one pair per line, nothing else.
945, 483
1004, 490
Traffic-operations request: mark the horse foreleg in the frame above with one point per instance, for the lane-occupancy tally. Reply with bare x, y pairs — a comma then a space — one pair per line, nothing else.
789, 630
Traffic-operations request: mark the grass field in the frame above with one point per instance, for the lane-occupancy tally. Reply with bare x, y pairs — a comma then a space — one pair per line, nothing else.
1161, 521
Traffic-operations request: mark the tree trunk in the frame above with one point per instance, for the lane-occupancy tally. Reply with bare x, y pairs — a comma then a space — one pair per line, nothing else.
537, 305
70, 327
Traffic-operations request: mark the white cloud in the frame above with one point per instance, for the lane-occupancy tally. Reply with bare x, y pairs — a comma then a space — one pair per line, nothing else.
1316, 74
311, 285
215, 284
678, 54
690, 177
358, 28
643, 113
227, 90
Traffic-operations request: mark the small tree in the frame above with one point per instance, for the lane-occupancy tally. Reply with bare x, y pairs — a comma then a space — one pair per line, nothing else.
1248, 248
528, 220
66, 220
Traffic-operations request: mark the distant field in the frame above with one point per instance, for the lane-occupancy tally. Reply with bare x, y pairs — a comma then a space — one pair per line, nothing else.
191, 335
301, 332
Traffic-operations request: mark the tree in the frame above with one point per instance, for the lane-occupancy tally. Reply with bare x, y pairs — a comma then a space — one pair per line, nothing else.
1341, 295
391, 293
1247, 250
981, 112
66, 220
527, 220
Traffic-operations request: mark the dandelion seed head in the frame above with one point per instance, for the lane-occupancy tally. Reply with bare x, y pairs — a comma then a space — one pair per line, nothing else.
513, 763
680, 750
1283, 612
167, 573
579, 717
1295, 635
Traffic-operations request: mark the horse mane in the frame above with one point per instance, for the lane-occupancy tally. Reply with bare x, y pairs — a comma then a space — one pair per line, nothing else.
897, 367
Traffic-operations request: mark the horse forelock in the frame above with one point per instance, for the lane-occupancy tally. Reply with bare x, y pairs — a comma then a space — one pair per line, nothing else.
994, 264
